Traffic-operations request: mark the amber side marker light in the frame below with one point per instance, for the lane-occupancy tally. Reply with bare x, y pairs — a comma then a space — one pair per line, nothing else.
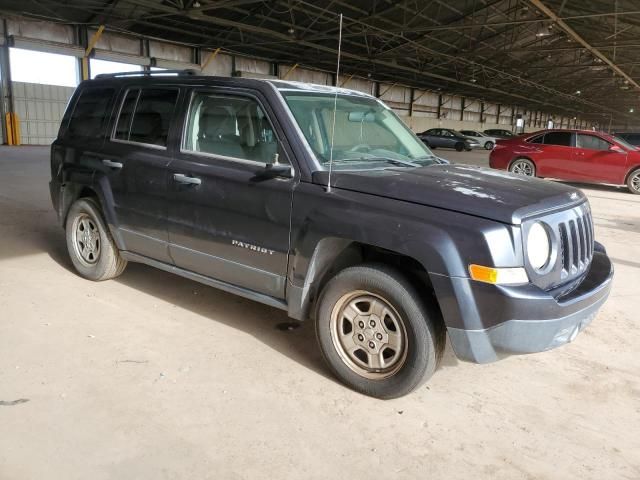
498, 276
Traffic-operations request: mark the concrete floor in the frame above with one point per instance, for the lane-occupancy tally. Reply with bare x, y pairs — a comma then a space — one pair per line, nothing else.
152, 376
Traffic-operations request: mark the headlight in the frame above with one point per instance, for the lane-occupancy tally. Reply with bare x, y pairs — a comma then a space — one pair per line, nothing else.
538, 246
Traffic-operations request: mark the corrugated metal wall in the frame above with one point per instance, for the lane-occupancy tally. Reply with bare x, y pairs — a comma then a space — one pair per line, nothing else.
40, 109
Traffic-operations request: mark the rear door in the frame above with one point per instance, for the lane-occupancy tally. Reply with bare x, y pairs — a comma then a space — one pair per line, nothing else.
137, 156
225, 220
595, 161
554, 157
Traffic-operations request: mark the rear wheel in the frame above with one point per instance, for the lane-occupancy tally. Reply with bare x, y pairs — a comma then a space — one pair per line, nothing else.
459, 147
91, 247
523, 166
633, 182
376, 334
488, 146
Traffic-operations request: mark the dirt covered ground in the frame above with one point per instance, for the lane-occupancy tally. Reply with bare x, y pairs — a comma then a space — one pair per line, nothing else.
152, 376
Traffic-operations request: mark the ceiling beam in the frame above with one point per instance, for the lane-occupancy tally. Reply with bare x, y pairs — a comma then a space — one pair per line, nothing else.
570, 31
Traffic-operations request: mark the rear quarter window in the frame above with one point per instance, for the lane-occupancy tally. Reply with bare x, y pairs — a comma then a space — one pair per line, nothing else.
90, 113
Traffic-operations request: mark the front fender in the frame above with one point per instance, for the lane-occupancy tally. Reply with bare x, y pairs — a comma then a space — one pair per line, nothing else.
442, 241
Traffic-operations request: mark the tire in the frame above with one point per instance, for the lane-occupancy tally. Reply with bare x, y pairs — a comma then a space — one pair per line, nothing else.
459, 147
94, 256
406, 336
633, 182
488, 146
523, 166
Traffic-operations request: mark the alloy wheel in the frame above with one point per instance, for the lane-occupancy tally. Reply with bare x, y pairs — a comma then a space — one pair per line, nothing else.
522, 167
369, 335
86, 239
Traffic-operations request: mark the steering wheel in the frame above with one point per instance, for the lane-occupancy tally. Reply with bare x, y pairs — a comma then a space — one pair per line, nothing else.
361, 147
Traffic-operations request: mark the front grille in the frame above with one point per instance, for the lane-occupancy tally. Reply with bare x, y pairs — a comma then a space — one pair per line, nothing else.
576, 244
573, 237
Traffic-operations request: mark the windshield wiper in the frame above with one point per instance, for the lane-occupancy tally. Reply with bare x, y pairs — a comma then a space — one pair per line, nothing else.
392, 160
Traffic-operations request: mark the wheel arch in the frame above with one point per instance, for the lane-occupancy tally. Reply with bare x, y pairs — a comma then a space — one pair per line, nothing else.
631, 171
74, 191
335, 254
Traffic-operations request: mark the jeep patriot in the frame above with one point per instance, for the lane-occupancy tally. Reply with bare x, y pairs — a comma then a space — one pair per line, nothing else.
321, 202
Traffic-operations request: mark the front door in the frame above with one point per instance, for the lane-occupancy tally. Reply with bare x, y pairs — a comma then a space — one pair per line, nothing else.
136, 158
595, 160
226, 220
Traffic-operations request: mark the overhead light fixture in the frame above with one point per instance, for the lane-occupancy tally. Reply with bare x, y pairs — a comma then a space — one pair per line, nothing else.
545, 31
291, 31
473, 80
578, 92
631, 110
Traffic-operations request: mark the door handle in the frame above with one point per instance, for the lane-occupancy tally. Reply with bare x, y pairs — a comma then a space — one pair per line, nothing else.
182, 178
111, 164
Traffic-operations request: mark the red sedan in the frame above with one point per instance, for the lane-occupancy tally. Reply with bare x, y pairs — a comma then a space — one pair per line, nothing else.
574, 155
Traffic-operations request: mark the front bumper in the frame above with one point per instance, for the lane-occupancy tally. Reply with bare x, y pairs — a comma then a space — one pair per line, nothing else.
526, 319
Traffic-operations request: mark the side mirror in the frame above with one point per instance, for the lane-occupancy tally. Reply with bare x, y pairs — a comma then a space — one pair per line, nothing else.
274, 170
616, 149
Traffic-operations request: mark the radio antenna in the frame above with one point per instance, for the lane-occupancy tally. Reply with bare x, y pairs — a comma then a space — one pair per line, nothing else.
335, 106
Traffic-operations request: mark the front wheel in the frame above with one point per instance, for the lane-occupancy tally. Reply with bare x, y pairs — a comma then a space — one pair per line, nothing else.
488, 146
91, 247
523, 166
633, 182
375, 332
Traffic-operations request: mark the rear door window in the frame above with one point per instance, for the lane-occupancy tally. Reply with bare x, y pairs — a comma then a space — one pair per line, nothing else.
559, 138
90, 114
145, 116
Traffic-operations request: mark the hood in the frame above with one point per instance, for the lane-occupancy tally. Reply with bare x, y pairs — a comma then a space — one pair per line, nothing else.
482, 192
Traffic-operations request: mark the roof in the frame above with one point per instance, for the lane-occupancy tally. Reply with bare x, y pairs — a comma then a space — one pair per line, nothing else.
189, 78
569, 57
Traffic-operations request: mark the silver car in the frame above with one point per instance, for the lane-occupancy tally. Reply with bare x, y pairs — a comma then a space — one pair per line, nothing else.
483, 139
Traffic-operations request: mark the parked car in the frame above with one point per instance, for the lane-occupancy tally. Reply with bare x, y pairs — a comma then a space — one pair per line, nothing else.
630, 137
573, 155
447, 138
486, 141
237, 183
499, 133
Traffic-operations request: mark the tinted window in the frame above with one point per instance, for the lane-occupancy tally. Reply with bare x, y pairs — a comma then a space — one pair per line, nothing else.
537, 139
152, 113
90, 113
592, 142
558, 138
229, 126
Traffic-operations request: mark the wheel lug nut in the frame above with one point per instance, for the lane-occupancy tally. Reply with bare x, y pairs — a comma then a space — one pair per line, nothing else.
372, 323
361, 324
361, 338
379, 336
372, 345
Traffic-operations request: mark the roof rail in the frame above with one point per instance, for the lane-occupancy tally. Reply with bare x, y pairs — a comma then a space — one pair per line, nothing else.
148, 73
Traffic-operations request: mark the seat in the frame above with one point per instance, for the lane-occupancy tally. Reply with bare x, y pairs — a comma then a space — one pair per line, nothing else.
217, 132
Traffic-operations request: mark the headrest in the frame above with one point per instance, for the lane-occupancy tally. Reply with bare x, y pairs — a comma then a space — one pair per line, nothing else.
215, 122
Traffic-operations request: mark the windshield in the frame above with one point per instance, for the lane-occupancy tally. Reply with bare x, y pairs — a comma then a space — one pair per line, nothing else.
624, 143
367, 133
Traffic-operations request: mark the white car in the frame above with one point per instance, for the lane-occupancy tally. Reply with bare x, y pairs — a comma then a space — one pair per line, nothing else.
482, 138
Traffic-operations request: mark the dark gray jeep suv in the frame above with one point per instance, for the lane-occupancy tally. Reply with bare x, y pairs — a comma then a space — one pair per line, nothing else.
321, 202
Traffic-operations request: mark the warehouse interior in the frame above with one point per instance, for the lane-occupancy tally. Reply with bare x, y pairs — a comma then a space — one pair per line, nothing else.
473, 65
155, 376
